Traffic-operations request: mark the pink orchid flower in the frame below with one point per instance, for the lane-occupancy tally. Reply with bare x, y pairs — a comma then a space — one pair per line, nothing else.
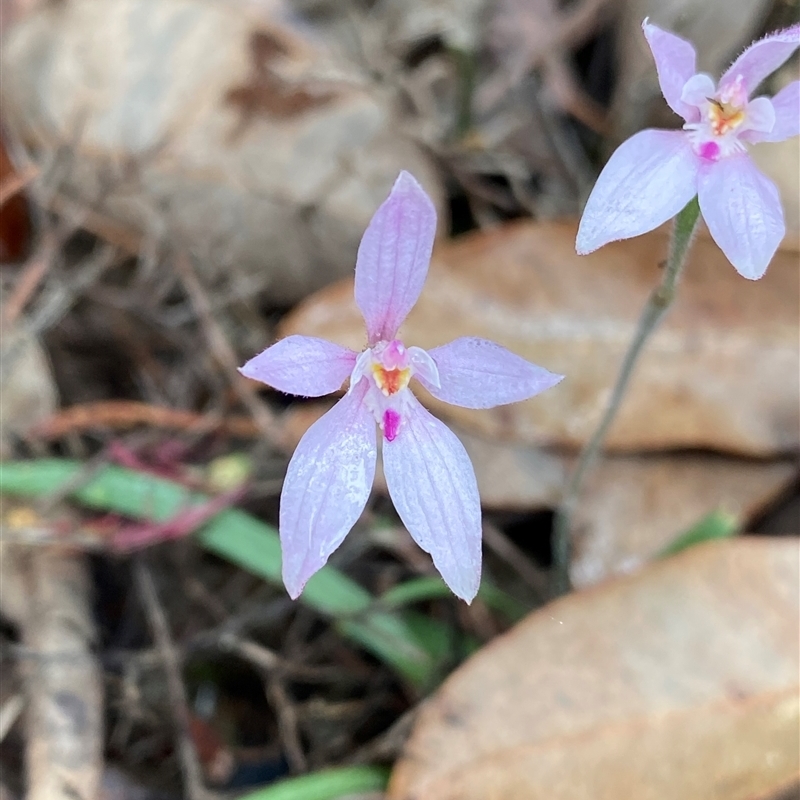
428, 473
655, 173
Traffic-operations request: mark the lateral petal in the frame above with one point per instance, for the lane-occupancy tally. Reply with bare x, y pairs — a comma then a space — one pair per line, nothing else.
648, 180
762, 58
327, 485
433, 487
676, 62
787, 116
393, 258
302, 365
742, 209
477, 373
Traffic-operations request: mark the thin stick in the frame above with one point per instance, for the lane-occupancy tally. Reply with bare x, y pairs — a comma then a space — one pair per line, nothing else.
127, 414
190, 763
224, 353
287, 722
657, 305
516, 558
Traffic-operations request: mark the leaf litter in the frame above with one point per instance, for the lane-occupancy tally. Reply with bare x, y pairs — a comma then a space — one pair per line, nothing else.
207, 220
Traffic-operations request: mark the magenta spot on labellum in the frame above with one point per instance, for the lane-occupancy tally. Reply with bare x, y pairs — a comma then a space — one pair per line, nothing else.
709, 151
391, 424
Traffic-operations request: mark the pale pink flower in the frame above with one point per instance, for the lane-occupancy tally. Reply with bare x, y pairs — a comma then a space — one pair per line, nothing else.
655, 173
428, 473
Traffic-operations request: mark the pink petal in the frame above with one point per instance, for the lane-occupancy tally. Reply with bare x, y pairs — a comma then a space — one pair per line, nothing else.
302, 365
326, 487
433, 487
647, 181
393, 258
787, 116
675, 63
760, 116
762, 58
697, 90
425, 368
743, 212
477, 373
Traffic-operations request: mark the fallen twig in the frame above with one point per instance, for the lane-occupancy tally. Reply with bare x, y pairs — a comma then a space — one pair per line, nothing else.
64, 747
189, 760
224, 353
284, 708
514, 556
127, 414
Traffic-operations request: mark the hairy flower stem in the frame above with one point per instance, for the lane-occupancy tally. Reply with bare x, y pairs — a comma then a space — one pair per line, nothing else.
657, 305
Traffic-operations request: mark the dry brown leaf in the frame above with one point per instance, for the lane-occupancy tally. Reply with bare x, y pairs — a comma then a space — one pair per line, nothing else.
692, 658
722, 373
193, 122
635, 506
781, 163
731, 750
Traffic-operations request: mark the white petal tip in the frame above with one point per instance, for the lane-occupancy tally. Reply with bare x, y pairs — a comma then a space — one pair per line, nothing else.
295, 584
583, 248
752, 275
406, 179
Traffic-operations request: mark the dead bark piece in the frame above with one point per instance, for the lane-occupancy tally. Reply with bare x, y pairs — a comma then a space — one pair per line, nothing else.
722, 372
197, 124
678, 683
64, 730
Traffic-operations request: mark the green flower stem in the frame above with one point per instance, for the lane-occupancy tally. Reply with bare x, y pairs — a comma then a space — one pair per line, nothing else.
657, 305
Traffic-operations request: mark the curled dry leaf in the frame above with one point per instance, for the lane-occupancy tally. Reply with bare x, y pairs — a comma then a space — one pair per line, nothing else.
679, 683
192, 122
722, 372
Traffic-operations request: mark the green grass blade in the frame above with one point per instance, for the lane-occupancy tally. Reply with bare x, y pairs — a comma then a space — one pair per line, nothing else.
328, 784
239, 538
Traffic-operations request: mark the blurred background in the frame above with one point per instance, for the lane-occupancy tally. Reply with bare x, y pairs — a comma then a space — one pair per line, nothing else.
184, 181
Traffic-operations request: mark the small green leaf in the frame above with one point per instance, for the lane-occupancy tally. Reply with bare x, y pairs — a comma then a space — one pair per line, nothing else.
716, 525
328, 784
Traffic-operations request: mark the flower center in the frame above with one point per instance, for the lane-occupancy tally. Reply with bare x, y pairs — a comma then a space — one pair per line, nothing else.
389, 366
724, 117
390, 381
